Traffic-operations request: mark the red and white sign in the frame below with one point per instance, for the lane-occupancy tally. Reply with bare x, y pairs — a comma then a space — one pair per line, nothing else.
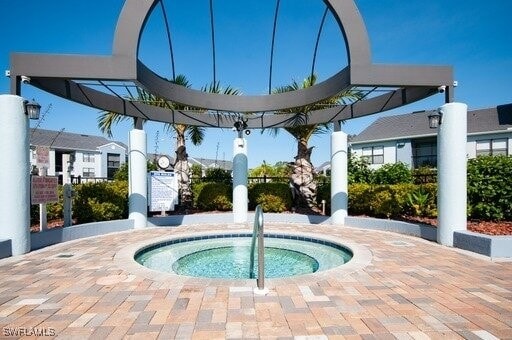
43, 156
44, 189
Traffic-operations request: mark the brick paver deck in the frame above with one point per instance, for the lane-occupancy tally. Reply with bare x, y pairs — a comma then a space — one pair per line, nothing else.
403, 288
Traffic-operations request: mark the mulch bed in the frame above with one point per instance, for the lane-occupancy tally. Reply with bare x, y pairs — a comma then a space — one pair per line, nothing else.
482, 227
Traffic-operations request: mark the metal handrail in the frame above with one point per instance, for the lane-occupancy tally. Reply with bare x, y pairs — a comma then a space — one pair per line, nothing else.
258, 232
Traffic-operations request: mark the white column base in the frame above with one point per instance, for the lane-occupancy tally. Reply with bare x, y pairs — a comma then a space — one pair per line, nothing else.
137, 179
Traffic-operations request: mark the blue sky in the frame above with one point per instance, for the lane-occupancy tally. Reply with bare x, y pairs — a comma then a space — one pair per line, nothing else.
472, 36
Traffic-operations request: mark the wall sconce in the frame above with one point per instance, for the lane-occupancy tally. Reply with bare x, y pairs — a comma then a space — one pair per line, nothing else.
435, 119
32, 109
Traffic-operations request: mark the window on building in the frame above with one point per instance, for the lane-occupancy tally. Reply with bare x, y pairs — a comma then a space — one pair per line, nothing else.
374, 154
424, 154
491, 147
113, 163
88, 172
88, 158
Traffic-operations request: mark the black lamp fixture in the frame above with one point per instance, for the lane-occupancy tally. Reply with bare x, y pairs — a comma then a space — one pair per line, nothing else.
32, 109
435, 119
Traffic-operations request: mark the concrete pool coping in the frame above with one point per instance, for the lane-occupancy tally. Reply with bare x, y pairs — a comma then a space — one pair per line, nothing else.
362, 256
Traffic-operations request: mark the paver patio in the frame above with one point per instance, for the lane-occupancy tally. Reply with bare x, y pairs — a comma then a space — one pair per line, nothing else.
408, 288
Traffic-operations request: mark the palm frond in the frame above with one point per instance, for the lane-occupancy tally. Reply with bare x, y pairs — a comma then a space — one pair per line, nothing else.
107, 120
195, 134
215, 87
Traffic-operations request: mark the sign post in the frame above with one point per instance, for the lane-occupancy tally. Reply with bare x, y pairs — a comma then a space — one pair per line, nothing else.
43, 163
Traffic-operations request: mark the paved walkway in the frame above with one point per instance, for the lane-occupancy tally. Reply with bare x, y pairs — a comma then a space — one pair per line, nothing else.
403, 288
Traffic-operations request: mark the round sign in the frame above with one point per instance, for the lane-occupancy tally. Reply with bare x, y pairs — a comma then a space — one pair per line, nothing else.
164, 162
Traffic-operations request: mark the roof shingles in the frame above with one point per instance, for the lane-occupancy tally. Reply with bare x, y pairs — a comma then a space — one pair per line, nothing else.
67, 140
415, 124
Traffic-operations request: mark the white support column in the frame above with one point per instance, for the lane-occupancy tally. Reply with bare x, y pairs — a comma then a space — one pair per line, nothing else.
451, 172
14, 174
339, 177
137, 178
240, 200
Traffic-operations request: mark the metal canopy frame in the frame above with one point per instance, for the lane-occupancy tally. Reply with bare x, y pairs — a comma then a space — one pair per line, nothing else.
67, 75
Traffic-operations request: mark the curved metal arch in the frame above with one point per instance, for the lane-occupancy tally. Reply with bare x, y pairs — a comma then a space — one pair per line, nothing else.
131, 25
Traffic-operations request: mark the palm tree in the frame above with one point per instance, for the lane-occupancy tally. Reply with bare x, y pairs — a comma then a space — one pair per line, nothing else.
195, 133
303, 172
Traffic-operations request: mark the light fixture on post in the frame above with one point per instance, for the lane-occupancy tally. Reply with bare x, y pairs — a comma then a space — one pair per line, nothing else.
435, 119
32, 109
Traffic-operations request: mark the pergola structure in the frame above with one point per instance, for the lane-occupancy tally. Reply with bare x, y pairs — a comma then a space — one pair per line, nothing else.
69, 76
77, 78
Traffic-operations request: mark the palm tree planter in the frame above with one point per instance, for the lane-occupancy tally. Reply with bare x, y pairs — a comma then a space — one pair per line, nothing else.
302, 177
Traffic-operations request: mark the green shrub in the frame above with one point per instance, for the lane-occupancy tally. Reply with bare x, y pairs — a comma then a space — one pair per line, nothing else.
214, 196
324, 193
217, 175
271, 203
384, 202
424, 175
196, 170
422, 201
392, 201
273, 197
197, 187
359, 199
489, 188
392, 174
359, 170
101, 201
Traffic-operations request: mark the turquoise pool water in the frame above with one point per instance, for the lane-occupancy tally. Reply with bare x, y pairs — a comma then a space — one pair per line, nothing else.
227, 256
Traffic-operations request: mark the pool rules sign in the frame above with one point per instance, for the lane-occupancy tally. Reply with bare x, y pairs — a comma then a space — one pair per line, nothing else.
162, 191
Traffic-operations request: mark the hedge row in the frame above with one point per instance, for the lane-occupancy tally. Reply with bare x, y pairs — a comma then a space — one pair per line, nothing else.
490, 188
392, 201
489, 196
273, 197
383, 200
103, 201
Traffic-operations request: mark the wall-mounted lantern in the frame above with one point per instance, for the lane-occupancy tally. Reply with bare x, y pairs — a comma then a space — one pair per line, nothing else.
32, 109
435, 119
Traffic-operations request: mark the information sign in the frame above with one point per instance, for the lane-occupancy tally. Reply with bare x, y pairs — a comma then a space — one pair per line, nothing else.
162, 191
44, 189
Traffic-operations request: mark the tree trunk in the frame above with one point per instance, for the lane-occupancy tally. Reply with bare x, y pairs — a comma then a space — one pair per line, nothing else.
182, 169
302, 177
